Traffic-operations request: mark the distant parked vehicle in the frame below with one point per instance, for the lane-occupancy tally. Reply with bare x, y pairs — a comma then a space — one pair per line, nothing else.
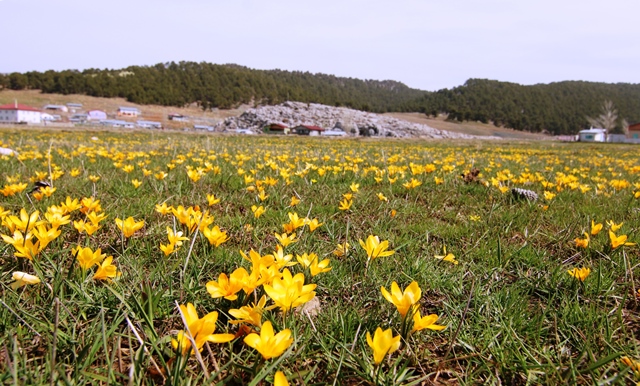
244, 131
203, 127
78, 118
178, 117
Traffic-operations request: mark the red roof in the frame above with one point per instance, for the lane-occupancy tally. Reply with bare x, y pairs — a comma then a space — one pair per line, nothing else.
277, 126
634, 126
13, 106
316, 128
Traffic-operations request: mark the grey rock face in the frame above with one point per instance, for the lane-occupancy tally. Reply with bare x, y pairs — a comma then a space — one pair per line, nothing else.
351, 121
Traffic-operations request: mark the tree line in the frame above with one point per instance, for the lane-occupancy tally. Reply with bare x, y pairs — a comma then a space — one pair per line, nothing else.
557, 108
219, 86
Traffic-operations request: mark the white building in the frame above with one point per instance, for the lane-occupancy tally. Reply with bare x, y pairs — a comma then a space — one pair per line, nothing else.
96, 115
117, 123
149, 124
128, 111
17, 113
592, 135
56, 108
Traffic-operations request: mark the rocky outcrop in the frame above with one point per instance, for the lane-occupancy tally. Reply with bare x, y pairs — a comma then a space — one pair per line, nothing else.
354, 122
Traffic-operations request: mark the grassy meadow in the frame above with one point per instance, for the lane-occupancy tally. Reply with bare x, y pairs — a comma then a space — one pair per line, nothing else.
176, 259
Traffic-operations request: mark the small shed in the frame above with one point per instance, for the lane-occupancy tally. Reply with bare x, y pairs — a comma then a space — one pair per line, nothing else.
592, 135
275, 128
308, 130
634, 130
96, 115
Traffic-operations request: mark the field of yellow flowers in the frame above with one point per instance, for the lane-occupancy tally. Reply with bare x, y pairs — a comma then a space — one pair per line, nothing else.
163, 258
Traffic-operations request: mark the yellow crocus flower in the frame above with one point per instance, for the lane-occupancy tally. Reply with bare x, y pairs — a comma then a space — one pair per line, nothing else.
289, 291
269, 344
382, 343
375, 248
580, 273
129, 226
106, 270
22, 279
201, 329
403, 300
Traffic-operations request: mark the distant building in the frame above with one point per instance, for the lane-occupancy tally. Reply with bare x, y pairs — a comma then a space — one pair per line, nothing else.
56, 108
50, 117
44, 117
96, 115
275, 128
117, 123
634, 131
592, 135
74, 105
128, 111
17, 113
149, 125
307, 130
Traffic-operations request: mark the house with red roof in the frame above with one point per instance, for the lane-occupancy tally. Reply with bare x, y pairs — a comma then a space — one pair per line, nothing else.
634, 131
19, 113
308, 130
275, 128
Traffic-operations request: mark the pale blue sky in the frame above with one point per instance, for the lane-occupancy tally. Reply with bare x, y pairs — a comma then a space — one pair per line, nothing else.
425, 44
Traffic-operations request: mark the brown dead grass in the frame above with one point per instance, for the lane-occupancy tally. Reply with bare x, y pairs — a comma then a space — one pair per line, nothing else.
110, 105
159, 114
471, 128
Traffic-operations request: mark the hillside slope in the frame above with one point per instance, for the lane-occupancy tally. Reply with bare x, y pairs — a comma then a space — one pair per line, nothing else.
217, 116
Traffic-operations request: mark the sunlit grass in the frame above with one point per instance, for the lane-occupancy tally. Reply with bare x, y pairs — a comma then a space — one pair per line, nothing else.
528, 291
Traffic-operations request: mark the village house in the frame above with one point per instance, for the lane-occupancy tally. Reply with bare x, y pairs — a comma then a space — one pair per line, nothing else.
128, 111
275, 128
18, 113
634, 131
592, 135
307, 130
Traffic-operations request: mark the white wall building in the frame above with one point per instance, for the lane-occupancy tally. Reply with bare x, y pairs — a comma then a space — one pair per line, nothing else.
128, 111
17, 113
96, 115
592, 135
